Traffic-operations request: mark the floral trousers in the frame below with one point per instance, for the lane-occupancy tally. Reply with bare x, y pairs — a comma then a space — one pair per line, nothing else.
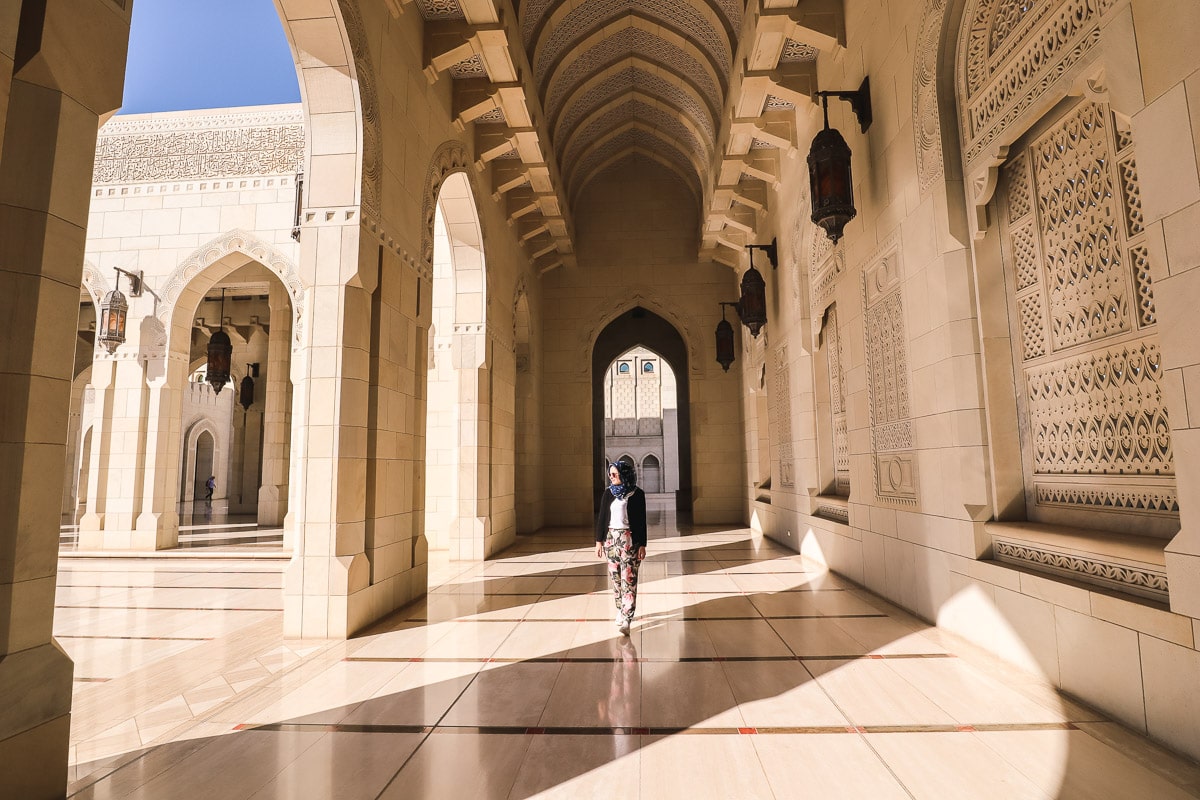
623, 570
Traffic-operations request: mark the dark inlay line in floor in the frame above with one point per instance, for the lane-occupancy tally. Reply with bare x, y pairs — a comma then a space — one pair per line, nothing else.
92, 680
639, 659
165, 608
469, 617
517, 730
143, 638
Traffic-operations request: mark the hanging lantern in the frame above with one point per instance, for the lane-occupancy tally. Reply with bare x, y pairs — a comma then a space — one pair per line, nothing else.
114, 310
752, 307
724, 341
220, 351
829, 174
246, 392
831, 182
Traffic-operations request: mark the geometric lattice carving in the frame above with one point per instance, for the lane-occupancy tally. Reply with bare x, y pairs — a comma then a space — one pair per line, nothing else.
1101, 413
887, 367
440, 9
1088, 289
778, 104
471, 68
633, 110
797, 51
1087, 567
1075, 257
1149, 499
1041, 42
1019, 191
1033, 326
1008, 14
1139, 259
1132, 195
781, 405
1025, 255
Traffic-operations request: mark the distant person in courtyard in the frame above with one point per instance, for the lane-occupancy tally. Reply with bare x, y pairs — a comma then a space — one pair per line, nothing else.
621, 537
210, 485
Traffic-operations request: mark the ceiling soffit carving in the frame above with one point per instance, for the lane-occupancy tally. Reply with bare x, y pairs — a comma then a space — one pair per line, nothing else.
634, 109
630, 136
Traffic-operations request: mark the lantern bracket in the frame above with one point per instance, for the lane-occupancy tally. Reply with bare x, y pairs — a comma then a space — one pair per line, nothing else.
859, 100
135, 281
772, 251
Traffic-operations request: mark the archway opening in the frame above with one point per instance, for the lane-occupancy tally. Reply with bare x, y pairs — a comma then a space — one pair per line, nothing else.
249, 418
642, 328
458, 477
641, 419
204, 459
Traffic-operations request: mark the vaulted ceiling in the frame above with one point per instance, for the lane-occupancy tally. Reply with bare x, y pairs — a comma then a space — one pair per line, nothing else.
570, 88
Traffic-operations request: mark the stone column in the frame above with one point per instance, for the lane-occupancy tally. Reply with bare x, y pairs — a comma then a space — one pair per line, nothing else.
327, 580
157, 525
472, 524
66, 65
277, 408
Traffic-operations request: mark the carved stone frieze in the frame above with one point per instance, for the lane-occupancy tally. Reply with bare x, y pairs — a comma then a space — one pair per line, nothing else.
926, 114
1012, 54
372, 141
1089, 568
449, 158
201, 146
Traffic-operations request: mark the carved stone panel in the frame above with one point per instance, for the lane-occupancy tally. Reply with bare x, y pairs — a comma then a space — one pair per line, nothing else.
887, 377
781, 413
1094, 426
837, 404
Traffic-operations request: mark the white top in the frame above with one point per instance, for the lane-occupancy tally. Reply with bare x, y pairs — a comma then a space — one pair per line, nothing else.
618, 514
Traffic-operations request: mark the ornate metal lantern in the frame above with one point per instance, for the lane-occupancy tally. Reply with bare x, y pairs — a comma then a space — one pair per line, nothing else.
829, 174
246, 392
220, 351
752, 307
725, 340
832, 182
114, 310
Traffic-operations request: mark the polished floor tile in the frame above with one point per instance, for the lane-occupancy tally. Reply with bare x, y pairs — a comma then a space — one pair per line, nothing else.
749, 673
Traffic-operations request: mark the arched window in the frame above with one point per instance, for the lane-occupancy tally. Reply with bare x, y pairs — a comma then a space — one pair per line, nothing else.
651, 477
623, 368
648, 367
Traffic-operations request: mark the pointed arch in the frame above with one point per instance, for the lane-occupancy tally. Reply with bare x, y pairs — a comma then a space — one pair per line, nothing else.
218, 249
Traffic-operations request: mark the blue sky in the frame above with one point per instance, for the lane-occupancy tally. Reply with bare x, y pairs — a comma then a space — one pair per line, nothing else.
186, 54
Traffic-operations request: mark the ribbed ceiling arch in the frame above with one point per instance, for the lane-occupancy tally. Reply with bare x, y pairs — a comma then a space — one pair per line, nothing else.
618, 77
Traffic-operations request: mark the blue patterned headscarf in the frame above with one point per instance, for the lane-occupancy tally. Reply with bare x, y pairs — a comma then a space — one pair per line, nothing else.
628, 480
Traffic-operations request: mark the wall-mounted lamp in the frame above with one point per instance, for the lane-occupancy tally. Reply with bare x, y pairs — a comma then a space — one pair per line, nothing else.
752, 307
114, 310
725, 339
299, 205
829, 164
246, 390
771, 250
220, 351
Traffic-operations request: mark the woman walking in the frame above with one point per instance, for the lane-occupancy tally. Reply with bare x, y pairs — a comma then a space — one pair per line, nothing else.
621, 537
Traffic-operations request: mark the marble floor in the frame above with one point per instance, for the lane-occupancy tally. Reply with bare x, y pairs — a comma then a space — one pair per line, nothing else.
749, 673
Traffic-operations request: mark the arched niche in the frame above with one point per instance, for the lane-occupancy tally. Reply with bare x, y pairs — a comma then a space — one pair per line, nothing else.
639, 326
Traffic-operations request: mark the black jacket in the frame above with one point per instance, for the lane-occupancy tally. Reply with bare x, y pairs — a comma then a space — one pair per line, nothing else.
635, 508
